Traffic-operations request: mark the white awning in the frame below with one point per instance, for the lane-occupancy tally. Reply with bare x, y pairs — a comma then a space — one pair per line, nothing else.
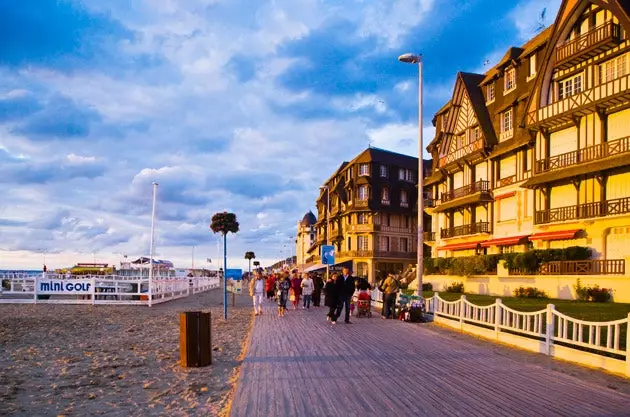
314, 267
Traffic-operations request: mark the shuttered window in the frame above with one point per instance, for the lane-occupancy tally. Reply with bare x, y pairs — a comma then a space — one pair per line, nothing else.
618, 125
563, 141
507, 166
507, 209
618, 186
458, 180
563, 196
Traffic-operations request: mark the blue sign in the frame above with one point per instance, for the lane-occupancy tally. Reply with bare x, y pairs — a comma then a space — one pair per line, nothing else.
235, 274
328, 254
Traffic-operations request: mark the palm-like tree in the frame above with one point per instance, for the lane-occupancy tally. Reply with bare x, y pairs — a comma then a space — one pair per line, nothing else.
249, 255
224, 223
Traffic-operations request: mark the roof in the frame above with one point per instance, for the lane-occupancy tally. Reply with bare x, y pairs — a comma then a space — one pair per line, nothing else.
471, 84
309, 219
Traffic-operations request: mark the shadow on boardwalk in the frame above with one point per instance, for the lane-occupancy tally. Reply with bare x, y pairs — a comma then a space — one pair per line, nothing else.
301, 365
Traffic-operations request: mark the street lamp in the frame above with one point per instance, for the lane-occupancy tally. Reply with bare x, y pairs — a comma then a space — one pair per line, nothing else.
417, 59
151, 246
322, 188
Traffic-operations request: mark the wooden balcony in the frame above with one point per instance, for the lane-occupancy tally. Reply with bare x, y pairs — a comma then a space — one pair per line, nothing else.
360, 203
588, 267
361, 228
466, 229
584, 211
502, 182
588, 45
588, 154
470, 189
461, 152
612, 93
428, 236
356, 254
395, 255
395, 229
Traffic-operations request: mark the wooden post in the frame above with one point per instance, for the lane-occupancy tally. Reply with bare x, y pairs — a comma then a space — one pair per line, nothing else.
462, 308
497, 318
195, 339
628, 346
233, 298
550, 328
436, 304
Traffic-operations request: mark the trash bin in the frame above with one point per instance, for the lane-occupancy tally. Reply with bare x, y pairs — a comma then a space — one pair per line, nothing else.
195, 339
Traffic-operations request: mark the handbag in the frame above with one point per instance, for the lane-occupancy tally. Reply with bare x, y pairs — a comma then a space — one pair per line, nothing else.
292, 295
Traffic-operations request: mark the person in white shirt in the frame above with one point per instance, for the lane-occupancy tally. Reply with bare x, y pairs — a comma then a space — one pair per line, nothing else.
257, 291
307, 289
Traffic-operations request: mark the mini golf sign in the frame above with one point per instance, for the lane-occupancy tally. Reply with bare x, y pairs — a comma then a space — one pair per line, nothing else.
62, 286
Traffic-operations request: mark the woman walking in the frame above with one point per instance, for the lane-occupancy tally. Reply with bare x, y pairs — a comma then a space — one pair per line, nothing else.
256, 291
296, 289
283, 284
332, 298
318, 284
307, 290
270, 285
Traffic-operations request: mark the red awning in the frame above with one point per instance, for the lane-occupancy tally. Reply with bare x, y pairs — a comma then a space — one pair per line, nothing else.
503, 241
558, 235
460, 246
506, 195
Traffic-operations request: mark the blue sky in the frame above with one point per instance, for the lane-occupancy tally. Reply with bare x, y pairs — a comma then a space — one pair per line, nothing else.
245, 106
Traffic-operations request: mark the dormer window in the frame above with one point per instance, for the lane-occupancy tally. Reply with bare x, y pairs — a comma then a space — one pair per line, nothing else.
569, 86
364, 193
507, 118
490, 92
509, 80
384, 171
532, 67
364, 169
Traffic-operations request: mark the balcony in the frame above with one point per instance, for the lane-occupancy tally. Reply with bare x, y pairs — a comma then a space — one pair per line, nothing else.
356, 254
604, 95
395, 229
360, 203
502, 182
428, 236
584, 211
428, 203
588, 154
395, 255
588, 45
587, 267
474, 188
336, 235
462, 152
334, 210
361, 228
466, 229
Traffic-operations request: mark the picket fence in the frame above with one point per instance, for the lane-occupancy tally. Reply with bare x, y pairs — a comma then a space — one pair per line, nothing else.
601, 345
110, 289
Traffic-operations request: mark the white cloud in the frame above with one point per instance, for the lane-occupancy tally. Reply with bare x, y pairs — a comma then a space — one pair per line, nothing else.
527, 16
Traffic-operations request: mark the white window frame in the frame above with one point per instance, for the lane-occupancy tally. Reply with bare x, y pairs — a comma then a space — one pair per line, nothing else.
362, 243
384, 243
404, 198
509, 81
409, 175
364, 193
384, 170
401, 174
364, 169
570, 86
613, 68
385, 196
507, 124
490, 93
532, 67
362, 218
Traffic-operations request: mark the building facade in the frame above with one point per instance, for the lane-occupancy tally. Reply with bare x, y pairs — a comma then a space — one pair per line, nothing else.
305, 238
536, 152
372, 220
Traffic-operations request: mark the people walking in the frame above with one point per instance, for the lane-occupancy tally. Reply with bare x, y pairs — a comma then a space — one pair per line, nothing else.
283, 284
318, 284
270, 285
345, 290
257, 291
389, 287
307, 289
331, 299
296, 289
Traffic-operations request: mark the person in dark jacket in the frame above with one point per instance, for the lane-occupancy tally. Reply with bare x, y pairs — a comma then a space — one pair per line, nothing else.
317, 291
331, 298
345, 290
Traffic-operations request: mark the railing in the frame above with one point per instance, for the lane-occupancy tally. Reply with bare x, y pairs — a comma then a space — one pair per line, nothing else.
397, 255
502, 182
334, 210
428, 236
361, 228
462, 152
588, 154
360, 203
546, 331
404, 204
466, 229
385, 202
428, 203
606, 32
356, 254
586, 267
508, 134
395, 229
584, 211
482, 186
377, 301
336, 234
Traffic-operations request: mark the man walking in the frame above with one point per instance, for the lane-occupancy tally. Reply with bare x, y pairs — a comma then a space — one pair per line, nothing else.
345, 290
257, 291
390, 289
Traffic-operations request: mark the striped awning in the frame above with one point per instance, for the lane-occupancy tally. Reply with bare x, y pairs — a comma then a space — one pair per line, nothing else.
460, 246
504, 241
557, 235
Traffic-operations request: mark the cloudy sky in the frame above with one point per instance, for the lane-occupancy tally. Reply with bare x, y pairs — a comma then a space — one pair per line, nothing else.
238, 105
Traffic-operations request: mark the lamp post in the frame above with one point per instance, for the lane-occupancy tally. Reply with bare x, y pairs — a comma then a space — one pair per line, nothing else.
417, 59
325, 187
151, 248
193, 260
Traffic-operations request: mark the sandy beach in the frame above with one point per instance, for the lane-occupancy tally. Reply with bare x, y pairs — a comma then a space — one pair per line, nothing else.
115, 360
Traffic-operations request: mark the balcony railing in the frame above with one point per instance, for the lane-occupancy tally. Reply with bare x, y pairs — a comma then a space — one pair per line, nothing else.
506, 181
360, 203
584, 211
608, 32
587, 267
482, 186
428, 236
395, 229
356, 254
588, 154
428, 202
361, 228
404, 204
466, 229
462, 152
385, 201
397, 255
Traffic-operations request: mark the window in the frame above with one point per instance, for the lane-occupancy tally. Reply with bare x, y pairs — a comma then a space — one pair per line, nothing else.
613, 68
410, 175
570, 86
312, 237
404, 199
362, 218
384, 243
506, 249
401, 174
474, 134
532, 67
510, 80
404, 244
362, 243
349, 195
364, 169
349, 243
363, 193
406, 222
384, 171
506, 121
385, 196
490, 93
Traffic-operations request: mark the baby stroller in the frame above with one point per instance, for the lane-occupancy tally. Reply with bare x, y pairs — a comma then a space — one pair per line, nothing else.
364, 305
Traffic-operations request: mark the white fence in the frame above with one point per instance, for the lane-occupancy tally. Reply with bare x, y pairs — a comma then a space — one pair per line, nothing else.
100, 289
598, 344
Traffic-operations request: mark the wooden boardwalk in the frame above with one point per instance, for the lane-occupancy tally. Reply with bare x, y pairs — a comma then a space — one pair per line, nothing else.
300, 365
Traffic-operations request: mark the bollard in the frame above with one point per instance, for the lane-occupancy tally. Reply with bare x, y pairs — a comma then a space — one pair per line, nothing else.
195, 339
233, 299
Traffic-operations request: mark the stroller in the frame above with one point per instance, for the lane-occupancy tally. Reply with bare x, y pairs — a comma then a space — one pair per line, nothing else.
364, 304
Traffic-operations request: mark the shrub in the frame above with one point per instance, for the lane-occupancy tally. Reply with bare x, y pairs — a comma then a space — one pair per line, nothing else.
6, 284
529, 292
592, 293
471, 265
456, 287
430, 266
427, 286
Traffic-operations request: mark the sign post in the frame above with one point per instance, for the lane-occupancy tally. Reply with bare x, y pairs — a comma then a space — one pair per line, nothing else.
328, 257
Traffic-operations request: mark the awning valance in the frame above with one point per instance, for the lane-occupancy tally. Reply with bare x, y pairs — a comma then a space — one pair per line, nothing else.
557, 235
315, 267
504, 241
460, 246
505, 195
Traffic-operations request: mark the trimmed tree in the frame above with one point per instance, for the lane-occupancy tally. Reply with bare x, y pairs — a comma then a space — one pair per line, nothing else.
249, 255
224, 223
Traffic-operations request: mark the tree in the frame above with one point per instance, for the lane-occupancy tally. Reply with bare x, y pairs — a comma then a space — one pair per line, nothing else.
224, 223
249, 256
